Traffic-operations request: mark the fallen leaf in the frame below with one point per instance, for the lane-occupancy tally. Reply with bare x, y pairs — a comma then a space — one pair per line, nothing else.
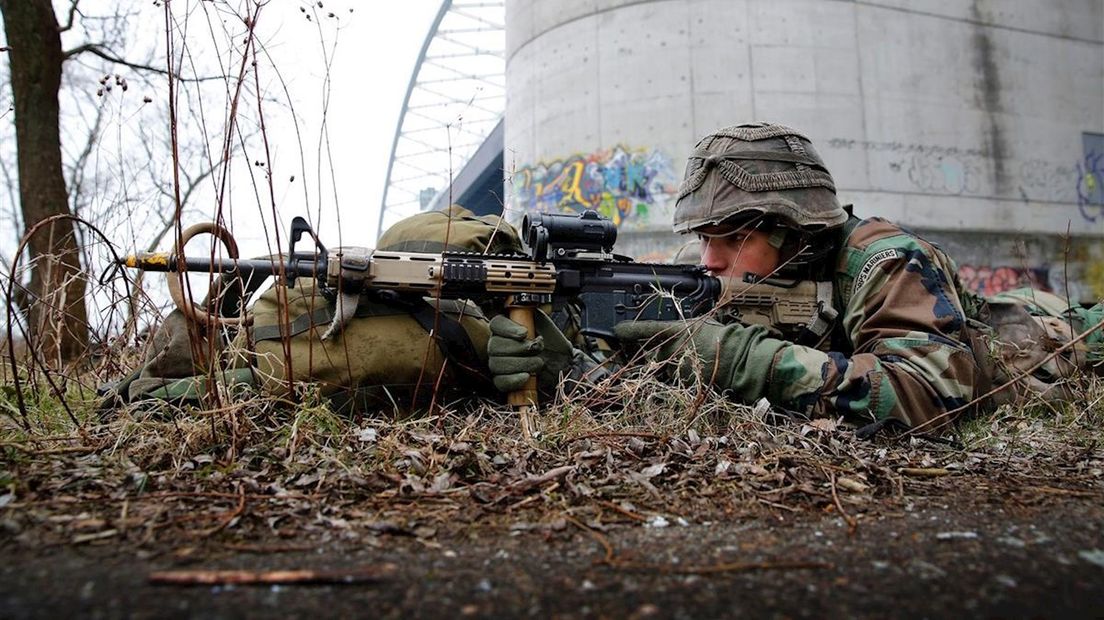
850, 484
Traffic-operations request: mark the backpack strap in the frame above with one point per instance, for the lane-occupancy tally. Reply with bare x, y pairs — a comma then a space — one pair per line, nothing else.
300, 324
325, 313
453, 340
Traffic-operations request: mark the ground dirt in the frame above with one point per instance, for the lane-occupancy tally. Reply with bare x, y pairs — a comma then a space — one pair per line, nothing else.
668, 507
1027, 553
936, 561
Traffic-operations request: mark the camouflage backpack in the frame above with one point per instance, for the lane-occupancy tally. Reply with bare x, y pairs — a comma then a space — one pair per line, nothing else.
1025, 329
185, 359
385, 356
394, 353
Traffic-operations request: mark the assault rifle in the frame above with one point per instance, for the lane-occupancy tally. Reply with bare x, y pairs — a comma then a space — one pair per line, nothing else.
570, 260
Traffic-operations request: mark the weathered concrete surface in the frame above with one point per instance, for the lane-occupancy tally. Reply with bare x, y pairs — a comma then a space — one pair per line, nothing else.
961, 116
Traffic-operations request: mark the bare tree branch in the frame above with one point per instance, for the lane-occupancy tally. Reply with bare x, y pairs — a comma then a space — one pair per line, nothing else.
98, 49
69, 22
76, 181
169, 222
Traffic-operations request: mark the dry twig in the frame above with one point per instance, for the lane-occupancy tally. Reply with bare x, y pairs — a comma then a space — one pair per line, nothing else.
852, 524
284, 577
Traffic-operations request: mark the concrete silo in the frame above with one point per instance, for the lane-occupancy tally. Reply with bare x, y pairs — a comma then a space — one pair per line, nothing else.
978, 123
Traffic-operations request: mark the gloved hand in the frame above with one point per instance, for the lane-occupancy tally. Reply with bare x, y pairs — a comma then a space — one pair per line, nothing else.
732, 357
513, 356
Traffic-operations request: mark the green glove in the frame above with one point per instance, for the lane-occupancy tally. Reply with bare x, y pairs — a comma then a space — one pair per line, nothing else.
513, 357
732, 357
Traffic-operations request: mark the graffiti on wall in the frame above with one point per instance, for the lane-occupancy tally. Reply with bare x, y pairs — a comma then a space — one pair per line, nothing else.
1044, 180
901, 147
929, 167
986, 280
945, 174
992, 280
963, 172
622, 184
1090, 177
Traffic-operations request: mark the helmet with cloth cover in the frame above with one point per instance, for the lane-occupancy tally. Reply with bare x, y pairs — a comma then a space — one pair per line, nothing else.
769, 177
760, 169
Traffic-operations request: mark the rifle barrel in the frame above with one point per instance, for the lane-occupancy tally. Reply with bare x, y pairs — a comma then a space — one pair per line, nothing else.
165, 261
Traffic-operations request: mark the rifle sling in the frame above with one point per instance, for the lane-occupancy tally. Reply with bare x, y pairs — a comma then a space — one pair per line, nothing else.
299, 324
453, 341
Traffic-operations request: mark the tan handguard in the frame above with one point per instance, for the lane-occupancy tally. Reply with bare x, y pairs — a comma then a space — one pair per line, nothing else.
432, 274
800, 309
349, 270
526, 283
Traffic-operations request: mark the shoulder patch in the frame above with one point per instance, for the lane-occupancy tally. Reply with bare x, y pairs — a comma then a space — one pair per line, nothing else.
871, 263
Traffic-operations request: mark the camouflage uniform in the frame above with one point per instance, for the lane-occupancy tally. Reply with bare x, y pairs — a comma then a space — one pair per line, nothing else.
908, 344
912, 345
901, 347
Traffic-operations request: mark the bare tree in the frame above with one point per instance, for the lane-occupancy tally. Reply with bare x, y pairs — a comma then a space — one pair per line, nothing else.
58, 169
121, 162
56, 309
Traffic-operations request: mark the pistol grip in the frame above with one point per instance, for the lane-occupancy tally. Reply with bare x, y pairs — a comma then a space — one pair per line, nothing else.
524, 401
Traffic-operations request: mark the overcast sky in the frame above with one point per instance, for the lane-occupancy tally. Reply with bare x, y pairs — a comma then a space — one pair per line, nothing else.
374, 46
377, 46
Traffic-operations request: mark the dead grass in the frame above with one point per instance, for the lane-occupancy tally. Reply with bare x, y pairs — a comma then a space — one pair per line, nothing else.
632, 451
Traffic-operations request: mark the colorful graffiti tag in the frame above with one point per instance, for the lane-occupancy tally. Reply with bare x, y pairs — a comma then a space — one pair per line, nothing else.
621, 184
992, 280
1090, 186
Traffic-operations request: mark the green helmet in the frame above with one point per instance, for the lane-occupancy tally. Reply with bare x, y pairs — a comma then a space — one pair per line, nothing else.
757, 170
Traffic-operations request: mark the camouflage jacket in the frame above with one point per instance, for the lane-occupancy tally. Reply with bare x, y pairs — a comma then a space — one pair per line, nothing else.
911, 344
900, 347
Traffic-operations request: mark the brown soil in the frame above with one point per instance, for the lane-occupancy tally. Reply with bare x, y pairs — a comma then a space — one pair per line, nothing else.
1025, 554
731, 515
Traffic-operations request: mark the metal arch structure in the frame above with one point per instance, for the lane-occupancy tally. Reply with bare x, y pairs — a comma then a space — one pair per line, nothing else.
455, 99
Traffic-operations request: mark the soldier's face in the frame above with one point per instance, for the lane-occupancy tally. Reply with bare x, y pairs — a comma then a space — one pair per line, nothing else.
739, 253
